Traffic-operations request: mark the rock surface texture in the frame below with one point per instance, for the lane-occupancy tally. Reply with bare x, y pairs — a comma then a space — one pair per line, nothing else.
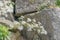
49, 18
51, 21
45, 18
56, 23
26, 6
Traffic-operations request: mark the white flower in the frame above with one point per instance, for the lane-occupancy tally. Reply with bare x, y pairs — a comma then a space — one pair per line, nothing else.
1, 4
15, 23
23, 22
11, 6
36, 25
20, 28
39, 23
44, 32
28, 25
34, 20
29, 29
22, 16
32, 26
38, 30
11, 26
41, 27
28, 20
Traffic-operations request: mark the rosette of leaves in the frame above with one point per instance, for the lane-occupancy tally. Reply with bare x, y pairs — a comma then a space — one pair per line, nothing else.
4, 32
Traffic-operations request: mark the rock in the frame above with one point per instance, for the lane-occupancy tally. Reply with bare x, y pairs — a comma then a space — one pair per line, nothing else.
50, 19
6, 22
28, 6
8, 16
56, 23
45, 17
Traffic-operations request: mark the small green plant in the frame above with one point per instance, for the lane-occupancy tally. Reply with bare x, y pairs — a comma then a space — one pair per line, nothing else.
57, 3
3, 32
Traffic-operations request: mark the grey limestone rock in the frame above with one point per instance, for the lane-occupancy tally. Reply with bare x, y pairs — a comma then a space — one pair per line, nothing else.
26, 6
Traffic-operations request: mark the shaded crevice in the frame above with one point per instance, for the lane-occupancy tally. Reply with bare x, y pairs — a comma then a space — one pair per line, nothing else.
14, 10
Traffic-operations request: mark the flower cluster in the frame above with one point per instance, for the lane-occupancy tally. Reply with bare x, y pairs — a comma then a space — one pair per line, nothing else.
5, 7
31, 25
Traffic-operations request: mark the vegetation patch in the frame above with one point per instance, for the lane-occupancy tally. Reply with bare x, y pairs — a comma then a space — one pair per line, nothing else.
4, 32
57, 3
